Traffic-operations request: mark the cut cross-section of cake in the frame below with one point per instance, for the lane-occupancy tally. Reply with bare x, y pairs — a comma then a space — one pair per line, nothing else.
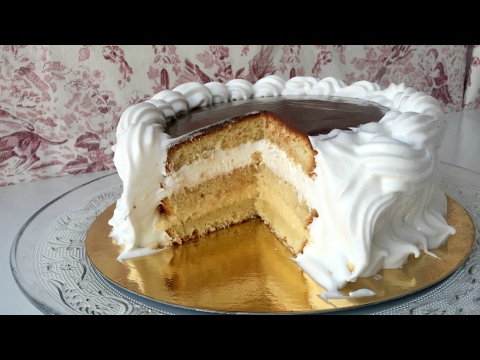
247, 168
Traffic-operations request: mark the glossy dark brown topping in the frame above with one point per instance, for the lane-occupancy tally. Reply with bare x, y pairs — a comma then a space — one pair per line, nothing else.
315, 115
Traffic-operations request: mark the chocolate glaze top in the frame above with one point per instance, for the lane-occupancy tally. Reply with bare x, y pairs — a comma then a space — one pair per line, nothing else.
314, 114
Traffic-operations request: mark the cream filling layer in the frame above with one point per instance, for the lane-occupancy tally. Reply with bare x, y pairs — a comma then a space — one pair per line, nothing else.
223, 161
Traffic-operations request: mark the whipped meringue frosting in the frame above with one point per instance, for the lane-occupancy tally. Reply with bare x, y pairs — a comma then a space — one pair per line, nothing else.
375, 185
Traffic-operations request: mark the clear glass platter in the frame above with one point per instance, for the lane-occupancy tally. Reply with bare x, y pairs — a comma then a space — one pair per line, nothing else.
50, 264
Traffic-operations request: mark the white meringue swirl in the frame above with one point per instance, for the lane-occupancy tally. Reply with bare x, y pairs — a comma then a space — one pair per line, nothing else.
219, 91
176, 99
299, 85
196, 94
240, 89
269, 86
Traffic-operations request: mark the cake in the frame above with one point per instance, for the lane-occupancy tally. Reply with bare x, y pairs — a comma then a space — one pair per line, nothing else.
346, 176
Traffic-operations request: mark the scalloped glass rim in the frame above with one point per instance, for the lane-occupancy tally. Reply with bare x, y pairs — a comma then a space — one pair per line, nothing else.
26, 275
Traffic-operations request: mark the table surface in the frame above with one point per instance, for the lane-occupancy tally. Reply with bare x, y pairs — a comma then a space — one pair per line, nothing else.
460, 147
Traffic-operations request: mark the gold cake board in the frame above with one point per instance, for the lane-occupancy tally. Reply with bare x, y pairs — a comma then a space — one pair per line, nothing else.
246, 269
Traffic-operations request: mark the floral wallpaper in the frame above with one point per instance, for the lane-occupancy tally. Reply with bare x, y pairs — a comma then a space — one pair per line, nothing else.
60, 104
472, 86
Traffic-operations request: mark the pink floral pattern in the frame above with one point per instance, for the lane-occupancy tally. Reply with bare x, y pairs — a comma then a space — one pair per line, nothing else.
60, 104
115, 55
290, 61
472, 92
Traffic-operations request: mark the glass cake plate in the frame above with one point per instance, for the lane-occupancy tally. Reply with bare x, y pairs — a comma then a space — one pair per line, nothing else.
59, 268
